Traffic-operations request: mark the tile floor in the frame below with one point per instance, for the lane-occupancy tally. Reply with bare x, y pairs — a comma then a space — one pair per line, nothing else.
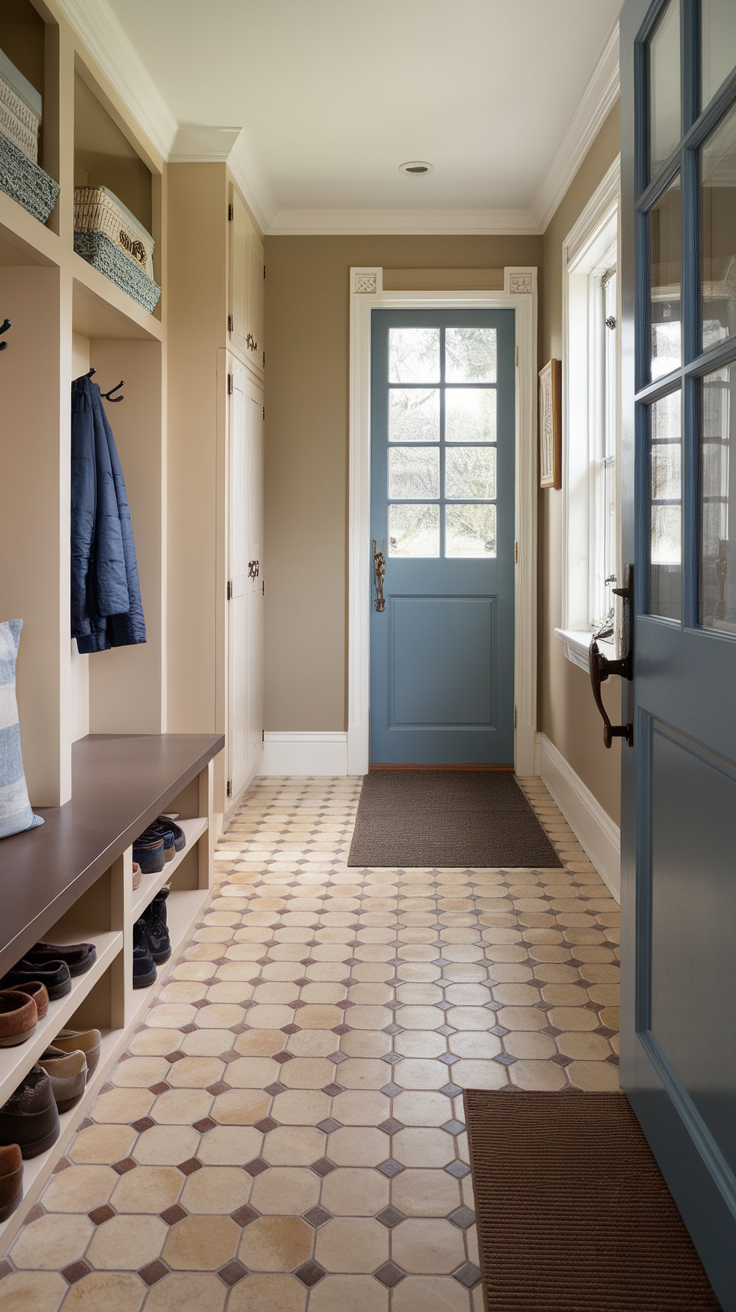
285, 1132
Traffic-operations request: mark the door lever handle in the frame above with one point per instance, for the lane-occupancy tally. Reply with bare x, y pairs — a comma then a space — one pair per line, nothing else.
379, 574
601, 667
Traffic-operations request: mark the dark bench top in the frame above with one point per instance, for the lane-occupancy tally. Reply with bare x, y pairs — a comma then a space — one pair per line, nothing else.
119, 784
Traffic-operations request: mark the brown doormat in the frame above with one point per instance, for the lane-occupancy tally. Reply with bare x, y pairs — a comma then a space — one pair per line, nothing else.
471, 818
573, 1213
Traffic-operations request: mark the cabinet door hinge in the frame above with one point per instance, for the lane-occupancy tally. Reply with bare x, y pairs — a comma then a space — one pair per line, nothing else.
516, 553
263, 588
229, 788
230, 213
229, 384
264, 359
263, 735
517, 355
264, 412
230, 324
229, 590
515, 717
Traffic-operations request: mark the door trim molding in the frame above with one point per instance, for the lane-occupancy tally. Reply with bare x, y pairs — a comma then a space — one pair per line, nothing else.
304, 754
593, 827
367, 294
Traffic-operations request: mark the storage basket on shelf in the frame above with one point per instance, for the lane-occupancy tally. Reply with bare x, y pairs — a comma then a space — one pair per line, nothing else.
112, 240
21, 109
25, 182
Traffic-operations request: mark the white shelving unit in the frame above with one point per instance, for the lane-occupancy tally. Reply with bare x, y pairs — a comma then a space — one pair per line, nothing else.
150, 884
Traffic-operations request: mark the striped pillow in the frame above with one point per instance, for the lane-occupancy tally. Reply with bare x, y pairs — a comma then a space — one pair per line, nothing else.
15, 809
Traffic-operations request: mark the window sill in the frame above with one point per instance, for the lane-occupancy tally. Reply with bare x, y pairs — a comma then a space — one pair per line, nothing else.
577, 646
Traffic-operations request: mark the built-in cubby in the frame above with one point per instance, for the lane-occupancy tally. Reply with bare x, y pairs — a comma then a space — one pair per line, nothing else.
29, 37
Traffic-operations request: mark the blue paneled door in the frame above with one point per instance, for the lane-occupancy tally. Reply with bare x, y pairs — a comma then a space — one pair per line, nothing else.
442, 526
678, 75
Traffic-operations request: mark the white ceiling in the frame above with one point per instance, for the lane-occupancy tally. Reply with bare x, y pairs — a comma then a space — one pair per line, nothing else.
333, 94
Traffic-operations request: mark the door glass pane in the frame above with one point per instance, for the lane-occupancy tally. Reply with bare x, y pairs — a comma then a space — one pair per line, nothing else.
470, 531
665, 560
414, 355
665, 236
470, 414
414, 414
718, 45
414, 530
718, 228
717, 493
664, 87
414, 472
470, 471
470, 355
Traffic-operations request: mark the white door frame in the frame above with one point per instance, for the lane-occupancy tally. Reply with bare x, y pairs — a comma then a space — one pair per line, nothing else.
367, 294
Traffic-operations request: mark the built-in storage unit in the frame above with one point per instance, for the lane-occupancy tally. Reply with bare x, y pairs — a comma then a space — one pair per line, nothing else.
71, 881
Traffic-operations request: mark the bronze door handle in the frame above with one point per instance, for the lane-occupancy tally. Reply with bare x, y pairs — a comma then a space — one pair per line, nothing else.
379, 574
601, 667
254, 567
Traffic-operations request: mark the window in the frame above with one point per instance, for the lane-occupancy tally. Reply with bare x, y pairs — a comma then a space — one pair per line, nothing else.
590, 422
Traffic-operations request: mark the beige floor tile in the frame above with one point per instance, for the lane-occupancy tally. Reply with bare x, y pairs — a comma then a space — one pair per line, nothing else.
415, 1073
183, 991
119, 1289
363, 1017
181, 1106
537, 1075
147, 1189
216, 1189
121, 1106
420, 1043
79, 1189
477, 1043
126, 1243
352, 1245
201, 1243
311, 1043
425, 1192
352, 1146
171, 1015
206, 1043
479, 1074
572, 1018
423, 1147
285, 1190
421, 1108
335, 1293
361, 1107
259, 1043
138, 1072
293, 1145
420, 1293
427, 1246
276, 1243
33, 1291
102, 1143
365, 1043
584, 1046
268, 1293
359, 1073
193, 1292
253, 1072
594, 1076
154, 1043
355, 1191
537, 1047
51, 1242
229, 1145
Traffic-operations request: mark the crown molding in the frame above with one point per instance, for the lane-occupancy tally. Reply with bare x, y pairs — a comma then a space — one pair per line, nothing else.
196, 144
599, 95
107, 41
411, 222
251, 182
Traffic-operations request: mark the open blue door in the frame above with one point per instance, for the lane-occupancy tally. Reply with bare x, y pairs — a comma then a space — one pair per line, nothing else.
679, 529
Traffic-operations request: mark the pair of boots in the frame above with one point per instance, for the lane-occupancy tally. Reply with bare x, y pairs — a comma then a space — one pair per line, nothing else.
151, 943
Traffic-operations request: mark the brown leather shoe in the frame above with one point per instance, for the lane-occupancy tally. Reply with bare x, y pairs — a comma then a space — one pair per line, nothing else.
86, 1041
36, 990
18, 1017
68, 1074
11, 1180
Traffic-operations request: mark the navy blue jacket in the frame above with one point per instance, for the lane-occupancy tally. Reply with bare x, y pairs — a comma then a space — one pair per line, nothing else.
106, 606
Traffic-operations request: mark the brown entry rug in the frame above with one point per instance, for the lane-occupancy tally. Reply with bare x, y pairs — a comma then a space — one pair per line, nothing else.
464, 818
573, 1212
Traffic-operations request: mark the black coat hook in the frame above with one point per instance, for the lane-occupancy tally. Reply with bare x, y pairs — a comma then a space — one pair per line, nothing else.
3, 329
91, 373
109, 395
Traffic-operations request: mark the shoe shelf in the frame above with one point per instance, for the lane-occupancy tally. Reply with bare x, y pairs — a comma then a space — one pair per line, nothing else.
150, 884
183, 909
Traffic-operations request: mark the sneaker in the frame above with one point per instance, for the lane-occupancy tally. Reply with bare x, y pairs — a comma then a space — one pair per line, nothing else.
180, 838
86, 1041
68, 1074
144, 967
148, 851
30, 1117
53, 974
36, 990
159, 943
11, 1180
79, 957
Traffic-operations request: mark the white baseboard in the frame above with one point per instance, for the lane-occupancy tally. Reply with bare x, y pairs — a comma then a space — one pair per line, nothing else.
593, 827
305, 754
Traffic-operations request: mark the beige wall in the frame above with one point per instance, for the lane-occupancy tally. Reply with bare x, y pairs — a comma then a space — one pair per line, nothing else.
307, 321
567, 714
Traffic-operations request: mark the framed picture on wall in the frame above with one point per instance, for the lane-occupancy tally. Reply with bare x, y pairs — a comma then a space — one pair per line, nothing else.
550, 425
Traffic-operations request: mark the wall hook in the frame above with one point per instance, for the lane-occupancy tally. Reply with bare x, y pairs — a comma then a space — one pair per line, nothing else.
3, 329
109, 395
90, 373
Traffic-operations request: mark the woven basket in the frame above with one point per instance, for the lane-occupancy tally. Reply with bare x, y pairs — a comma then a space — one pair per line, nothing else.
21, 136
25, 181
97, 249
98, 210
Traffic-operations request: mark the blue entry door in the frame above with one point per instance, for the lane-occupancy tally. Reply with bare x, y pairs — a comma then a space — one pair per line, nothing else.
678, 104
442, 521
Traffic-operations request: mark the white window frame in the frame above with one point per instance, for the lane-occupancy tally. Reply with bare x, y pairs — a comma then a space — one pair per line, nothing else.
588, 252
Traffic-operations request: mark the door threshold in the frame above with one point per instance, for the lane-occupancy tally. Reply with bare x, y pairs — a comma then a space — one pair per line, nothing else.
468, 765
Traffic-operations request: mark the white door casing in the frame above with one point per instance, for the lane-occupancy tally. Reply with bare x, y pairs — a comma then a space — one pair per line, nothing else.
519, 294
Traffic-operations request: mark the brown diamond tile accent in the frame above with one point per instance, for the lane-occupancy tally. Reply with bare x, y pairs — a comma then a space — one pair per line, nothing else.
458, 1169
244, 1215
218, 1087
468, 1275
77, 1271
392, 1058
453, 1127
154, 1272
161, 1087
390, 1168
451, 1090
61, 1165
201, 1002
391, 1090
389, 1274
274, 1088
290, 1029
448, 1058
5, 1270
337, 1057
390, 1216
317, 1216
230, 1055
145, 1123
323, 1166
175, 1056
340, 1029
281, 1057
232, 1273
98, 1216
309, 1273
187, 1029
328, 1125
560, 1059
464, 1217
205, 1124
265, 1125
173, 1214
306, 961
125, 1164
189, 1166
505, 1059
392, 1029
299, 1003
85, 1124
499, 1030
256, 1167
332, 1090
107, 1087
391, 1126
302, 983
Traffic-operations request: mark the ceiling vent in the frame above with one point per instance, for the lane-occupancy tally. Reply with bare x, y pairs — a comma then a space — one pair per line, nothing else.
416, 167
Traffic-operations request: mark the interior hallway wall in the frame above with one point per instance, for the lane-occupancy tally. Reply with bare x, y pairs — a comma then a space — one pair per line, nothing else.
567, 713
306, 472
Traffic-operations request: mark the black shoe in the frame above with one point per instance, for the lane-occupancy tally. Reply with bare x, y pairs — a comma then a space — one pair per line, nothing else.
144, 967
30, 1117
180, 838
78, 956
159, 943
54, 974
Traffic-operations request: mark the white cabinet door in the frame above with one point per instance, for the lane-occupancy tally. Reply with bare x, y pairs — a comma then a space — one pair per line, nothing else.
245, 607
245, 326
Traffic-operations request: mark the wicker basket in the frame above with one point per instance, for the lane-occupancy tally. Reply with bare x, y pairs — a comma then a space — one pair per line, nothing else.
98, 210
97, 249
20, 109
25, 181
21, 136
